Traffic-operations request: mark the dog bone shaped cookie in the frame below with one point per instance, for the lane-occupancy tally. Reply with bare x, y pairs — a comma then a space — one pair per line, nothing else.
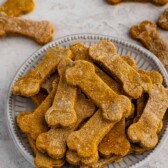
81, 52
29, 85
113, 106
40, 31
145, 130
147, 33
156, 2
73, 158
62, 112
163, 20
104, 53
156, 78
17, 7
54, 141
85, 141
42, 160
115, 142
34, 123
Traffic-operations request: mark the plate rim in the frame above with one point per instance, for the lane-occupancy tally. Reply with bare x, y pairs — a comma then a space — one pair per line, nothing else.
85, 36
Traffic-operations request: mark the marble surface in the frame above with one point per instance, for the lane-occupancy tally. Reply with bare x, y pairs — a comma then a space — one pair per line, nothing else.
68, 17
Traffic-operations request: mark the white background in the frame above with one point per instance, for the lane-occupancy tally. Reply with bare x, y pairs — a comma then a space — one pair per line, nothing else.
68, 17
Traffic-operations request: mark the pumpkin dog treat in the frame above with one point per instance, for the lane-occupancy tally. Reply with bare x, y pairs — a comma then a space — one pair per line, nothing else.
39, 98
145, 130
85, 141
29, 85
147, 33
104, 53
33, 123
73, 158
156, 2
40, 31
81, 52
115, 142
113, 106
42, 160
54, 141
62, 112
156, 78
163, 20
17, 7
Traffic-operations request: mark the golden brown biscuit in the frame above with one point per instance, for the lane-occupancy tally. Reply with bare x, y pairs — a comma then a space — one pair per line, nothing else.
156, 78
104, 161
163, 20
39, 98
104, 53
85, 141
34, 123
113, 106
29, 85
42, 160
47, 84
156, 2
62, 112
54, 141
145, 130
17, 7
81, 52
147, 33
73, 158
115, 142
40, 31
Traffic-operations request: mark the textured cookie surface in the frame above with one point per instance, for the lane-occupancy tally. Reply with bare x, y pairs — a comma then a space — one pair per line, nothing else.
17, 7
104, 53
147, 33
145, 130
115, 142
163, 20
85, 141
62, 112
54, 141
113, 106
34, 123
29, 85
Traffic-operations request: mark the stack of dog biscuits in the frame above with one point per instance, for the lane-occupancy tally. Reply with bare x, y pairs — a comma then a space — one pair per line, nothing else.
94, 106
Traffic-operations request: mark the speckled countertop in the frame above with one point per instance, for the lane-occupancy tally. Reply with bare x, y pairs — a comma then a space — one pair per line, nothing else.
68, 17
